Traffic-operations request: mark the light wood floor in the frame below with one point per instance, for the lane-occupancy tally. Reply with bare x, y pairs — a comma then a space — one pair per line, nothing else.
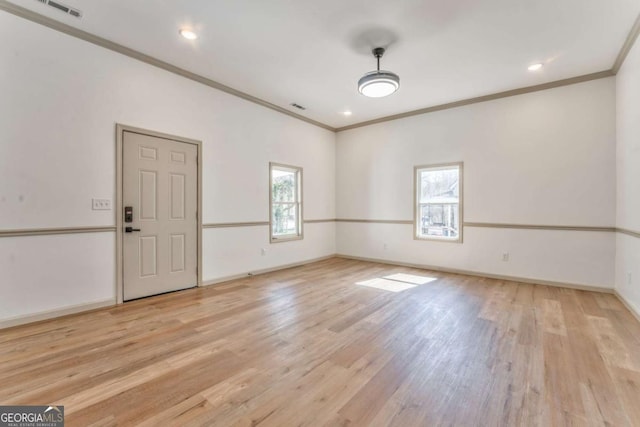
308, 346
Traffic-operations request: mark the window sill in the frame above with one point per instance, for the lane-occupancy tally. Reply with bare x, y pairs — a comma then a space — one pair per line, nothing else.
438, 239
281, 239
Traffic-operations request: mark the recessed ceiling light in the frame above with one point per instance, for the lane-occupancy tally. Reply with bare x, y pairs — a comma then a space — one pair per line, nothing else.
347, 113
535, 67
188, 34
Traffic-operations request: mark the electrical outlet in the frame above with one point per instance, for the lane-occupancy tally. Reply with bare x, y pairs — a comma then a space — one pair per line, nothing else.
101, 204
263, 251
629, 278
384, 246
505, 257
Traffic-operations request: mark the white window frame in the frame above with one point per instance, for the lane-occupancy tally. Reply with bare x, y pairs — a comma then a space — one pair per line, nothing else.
416, 201
298, 235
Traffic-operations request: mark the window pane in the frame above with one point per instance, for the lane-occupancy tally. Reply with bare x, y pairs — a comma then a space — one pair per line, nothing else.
284, 219
439, 220
439, 185
438, 202
284, 186
286, 202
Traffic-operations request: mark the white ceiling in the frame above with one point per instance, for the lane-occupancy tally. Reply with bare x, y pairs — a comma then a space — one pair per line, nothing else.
312, 52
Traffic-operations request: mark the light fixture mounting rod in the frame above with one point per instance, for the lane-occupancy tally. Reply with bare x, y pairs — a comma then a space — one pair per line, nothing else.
378, 52
377, 84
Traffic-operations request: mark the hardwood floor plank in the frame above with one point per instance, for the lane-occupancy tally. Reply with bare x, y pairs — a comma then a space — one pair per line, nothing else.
363, 407
376, 304
611, 347
562, 382
553, 318
169, 388
609, 302
589, 305
190, 412
627, 384
105, 390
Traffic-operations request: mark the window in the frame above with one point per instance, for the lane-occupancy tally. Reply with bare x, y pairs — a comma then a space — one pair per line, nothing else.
286, 202
438, 192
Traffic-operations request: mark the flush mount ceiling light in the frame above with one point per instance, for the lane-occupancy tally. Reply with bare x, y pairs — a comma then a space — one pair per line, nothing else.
535, 67
377, 84
188, 34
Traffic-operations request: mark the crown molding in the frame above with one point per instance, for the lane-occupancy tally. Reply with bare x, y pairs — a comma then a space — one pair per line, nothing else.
107, 44
627, 46
131, 53
484, 98
622, 55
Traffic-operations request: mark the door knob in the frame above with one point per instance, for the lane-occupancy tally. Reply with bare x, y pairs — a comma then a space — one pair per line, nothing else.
130, 229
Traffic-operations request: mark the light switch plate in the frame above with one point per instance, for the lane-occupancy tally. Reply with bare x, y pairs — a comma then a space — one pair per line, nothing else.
101, 204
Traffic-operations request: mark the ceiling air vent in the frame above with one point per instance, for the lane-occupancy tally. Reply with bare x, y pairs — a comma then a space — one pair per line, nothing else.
298, 106
62, 8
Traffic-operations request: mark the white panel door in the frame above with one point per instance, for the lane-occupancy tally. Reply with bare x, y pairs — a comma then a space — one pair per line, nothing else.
160, 185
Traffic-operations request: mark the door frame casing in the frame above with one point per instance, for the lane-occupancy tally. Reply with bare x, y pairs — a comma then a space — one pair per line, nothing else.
119, 205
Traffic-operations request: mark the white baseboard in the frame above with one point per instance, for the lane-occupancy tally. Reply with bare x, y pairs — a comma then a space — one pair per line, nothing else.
46, 315
263, 271
631, 307
50, 314
56, 313
487, 275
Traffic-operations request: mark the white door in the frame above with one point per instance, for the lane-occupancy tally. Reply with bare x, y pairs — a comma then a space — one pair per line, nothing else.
160, 244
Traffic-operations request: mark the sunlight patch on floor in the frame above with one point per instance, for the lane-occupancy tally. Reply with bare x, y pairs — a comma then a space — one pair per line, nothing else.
410, 278
396, 282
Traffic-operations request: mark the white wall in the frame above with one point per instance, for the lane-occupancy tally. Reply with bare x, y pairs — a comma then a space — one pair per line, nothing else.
60, 100
545, 158
541, 158
628, 183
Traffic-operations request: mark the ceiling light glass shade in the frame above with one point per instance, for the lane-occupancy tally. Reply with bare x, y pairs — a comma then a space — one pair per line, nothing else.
377, 84
188, 34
